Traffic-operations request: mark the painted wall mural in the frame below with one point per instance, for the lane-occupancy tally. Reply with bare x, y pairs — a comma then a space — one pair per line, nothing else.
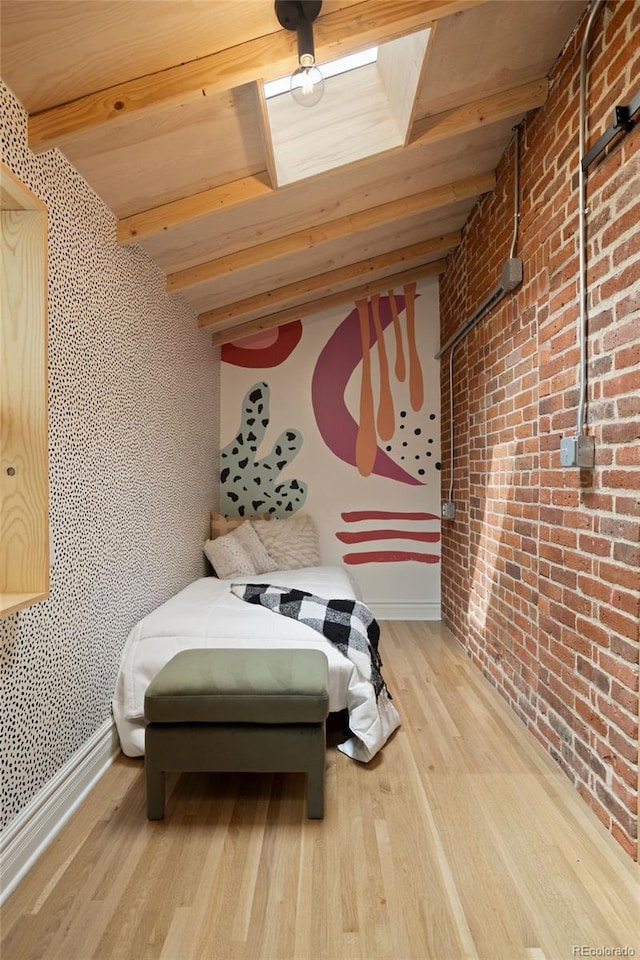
384, 533
247, 485
349, 347
362, 388
266, 349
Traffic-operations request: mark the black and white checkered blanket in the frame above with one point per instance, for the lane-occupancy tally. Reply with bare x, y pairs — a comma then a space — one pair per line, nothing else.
351, 627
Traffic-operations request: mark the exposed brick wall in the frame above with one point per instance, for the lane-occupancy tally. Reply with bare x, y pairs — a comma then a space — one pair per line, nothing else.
541, 568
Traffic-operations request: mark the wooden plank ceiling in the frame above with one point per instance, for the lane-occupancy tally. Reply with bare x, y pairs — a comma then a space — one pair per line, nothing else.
159, 105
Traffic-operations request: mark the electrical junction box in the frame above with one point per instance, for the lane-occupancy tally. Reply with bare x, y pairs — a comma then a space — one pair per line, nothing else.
449, 510
512, 274
578, 452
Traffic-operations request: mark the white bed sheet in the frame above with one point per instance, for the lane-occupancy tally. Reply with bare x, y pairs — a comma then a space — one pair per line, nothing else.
206, 614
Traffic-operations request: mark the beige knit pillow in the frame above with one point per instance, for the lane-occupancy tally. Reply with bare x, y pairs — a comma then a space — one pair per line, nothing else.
291, 543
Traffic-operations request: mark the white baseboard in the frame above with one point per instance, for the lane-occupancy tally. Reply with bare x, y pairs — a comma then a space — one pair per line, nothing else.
405, 610
25, 838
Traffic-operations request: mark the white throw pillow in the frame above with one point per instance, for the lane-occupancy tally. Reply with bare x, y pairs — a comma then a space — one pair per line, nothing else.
238, 554
260, 558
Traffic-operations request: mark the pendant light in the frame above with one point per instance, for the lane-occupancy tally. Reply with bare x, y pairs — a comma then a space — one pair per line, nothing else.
307, 83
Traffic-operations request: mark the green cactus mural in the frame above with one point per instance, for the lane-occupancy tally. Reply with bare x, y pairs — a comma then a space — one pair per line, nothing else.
249, 485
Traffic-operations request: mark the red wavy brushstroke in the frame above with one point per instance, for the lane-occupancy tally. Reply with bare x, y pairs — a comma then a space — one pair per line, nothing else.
387, 535
354, 515
389, 556
246, 352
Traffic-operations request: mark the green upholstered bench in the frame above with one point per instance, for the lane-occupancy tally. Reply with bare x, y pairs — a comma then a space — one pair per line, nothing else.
238, 710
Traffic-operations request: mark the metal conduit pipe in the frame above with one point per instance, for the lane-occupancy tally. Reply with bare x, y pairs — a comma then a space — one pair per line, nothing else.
511, 276
582, 453
510, 279
516, 191
451, 425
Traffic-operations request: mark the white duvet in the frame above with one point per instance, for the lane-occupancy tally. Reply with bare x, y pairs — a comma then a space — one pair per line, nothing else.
207, 614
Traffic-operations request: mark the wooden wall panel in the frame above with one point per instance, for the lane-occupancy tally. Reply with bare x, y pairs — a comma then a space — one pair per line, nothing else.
24, 528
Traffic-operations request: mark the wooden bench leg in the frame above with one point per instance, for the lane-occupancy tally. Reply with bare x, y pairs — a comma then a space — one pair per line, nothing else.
315, 775
315, 795
155, 792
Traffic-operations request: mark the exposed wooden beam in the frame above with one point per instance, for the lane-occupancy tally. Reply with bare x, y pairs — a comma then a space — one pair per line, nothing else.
344, 226
235, 332
480, 113
345, 31
228, 195
266, 302
450, 123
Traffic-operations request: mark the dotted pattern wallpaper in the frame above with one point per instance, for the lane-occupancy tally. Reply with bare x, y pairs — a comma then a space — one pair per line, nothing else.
134, 465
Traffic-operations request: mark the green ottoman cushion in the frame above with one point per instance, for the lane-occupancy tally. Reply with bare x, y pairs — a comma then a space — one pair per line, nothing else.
240, 686
242, 710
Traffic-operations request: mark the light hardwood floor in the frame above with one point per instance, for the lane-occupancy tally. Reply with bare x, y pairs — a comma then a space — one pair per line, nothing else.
461, 840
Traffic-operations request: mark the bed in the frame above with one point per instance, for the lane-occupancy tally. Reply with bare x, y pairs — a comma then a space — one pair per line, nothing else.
207, 614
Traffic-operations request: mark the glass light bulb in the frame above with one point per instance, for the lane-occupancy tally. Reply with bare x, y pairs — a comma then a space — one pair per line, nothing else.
307, 86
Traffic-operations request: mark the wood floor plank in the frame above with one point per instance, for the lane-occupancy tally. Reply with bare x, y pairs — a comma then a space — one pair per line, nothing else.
461, 839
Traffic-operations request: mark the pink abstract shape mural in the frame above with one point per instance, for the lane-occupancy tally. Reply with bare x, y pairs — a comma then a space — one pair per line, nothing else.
339, 358
366, 441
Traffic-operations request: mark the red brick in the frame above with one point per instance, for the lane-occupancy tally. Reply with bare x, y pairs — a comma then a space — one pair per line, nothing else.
594, 720
620, 719
600, 811
628, 506
619, 574
628, 798
572, 624
622, 479
622, 383
627, 772
630, 248
596, 546
619, 528
629, 845
620, 432
623, 223
628, 554
624, 817
626, 696
594, 587
626, 651
627, 457
624, 626
624, 674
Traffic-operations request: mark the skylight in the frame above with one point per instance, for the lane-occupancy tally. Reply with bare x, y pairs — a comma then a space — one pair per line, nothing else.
333, 68
366, 108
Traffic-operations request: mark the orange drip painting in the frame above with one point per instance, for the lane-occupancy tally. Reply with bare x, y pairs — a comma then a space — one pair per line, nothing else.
400, 369
416, 385
386, 419
384, 425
